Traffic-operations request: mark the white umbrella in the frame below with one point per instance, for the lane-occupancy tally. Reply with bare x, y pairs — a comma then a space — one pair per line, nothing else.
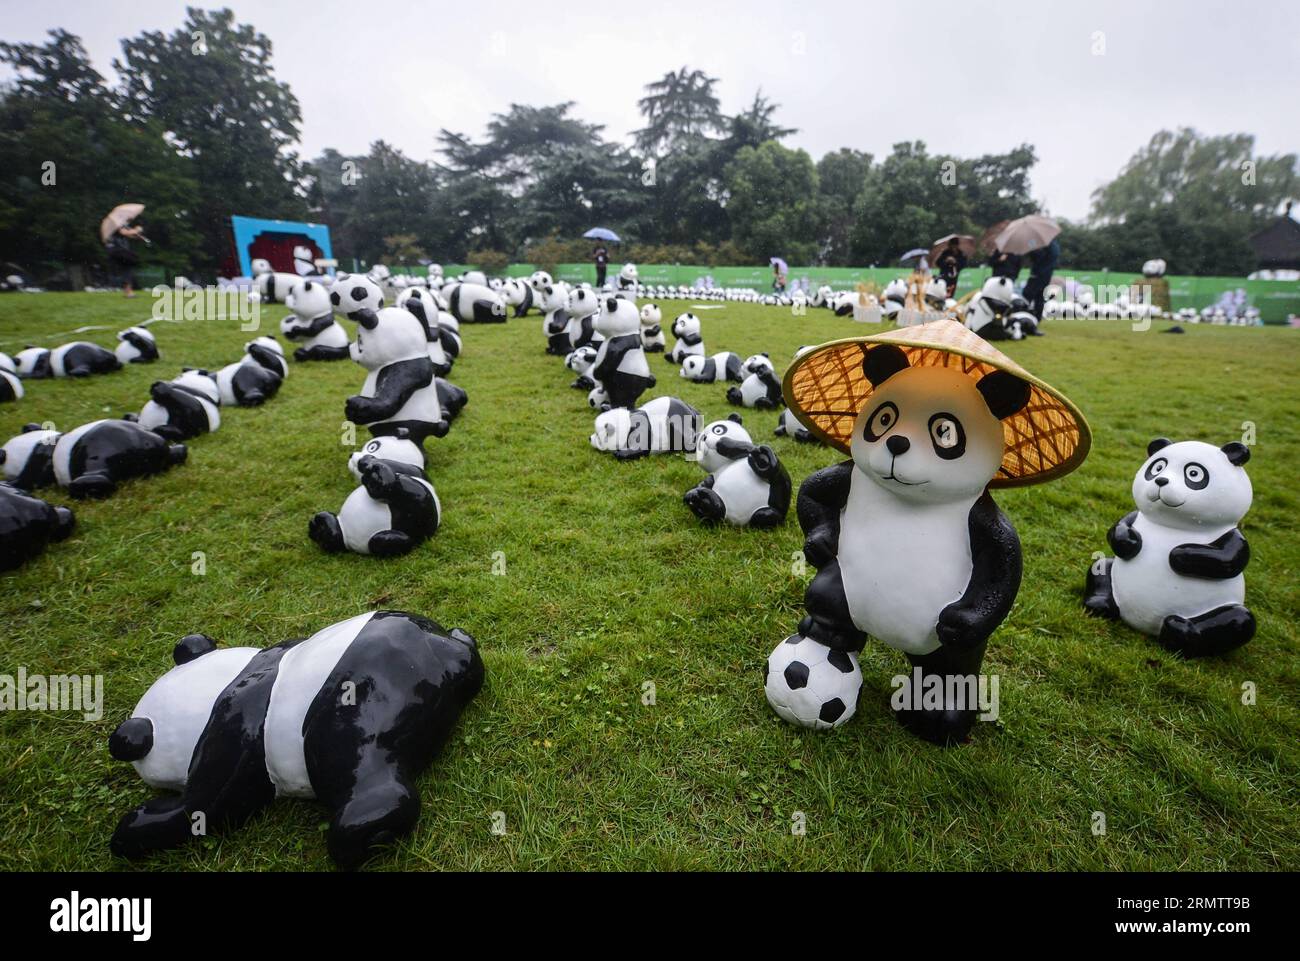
117, 218
1027, 234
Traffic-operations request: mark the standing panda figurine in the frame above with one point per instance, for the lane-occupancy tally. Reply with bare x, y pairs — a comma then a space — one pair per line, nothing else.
183, 407
908, 544
349, 716
136, 345
27, 525
686, 328
312, 324
399, 390
652, 334
621, 368
746, 484
256, 378
1179, 559
660, 426
761, 388
395, 508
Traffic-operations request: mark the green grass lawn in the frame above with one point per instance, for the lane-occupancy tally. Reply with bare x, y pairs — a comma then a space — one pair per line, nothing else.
609, 582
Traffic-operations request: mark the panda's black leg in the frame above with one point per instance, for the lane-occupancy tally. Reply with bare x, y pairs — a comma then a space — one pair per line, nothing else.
324, 529
1218, 631
382, 808
159, 823
955, 675
1098, 599
705, 504
92, 485
828, 620
177, 453
734, 396
583, 383
766, 517
390, 544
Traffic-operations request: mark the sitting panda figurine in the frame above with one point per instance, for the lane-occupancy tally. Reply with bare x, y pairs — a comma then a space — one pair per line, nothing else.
539, 280
312, 324
27, 459
395, 508
33, 363
986, 314
136, 345
399, 390
583, 310
788, 426
580, 361
686, 328
27, 525
349, 716
652, 334
660, 426
255, 379
709, 370
621, 368
746, 484
183, 407
11, 386
554, 303
91, 460
627, 277
350, 293
936, 293
761, 388
422, 305
1177, 574
518, 294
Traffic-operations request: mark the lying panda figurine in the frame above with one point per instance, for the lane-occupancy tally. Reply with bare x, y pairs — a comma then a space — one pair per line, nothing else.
746, 484
788, 426
27, 459
399, 389
272, 287
256, 378
33, 363
761, 388
395, 508
350, 716
686, 328
7, 364
27, 525
583, 310
709, 370
652, 334
11, 386
621, 368
89, 460
136, 345
183, 407
1178, 570
451, 399
580, 361
81, 358
422, 305
660, 426
312, 324
476, 304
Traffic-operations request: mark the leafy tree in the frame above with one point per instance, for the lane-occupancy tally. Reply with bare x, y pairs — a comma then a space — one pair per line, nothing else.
679, 107
773, 202
518, 141
841, 177
754, 125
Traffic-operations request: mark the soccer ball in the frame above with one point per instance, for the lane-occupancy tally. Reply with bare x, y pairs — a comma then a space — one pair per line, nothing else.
811, 685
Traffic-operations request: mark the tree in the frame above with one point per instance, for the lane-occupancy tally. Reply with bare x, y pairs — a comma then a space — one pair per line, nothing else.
517, 142
904, 203
755, 125
773, 202
841, 177
679, 107
211, 86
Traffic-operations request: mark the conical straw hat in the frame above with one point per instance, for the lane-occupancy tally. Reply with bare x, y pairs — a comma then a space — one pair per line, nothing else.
826, 388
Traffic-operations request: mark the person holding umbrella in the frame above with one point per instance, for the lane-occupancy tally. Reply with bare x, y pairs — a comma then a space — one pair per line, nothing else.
117, 233
601, 254
950, 255
1034, 237
780, 270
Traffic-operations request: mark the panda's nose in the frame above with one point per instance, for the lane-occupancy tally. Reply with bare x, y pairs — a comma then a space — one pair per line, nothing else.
1162, 481
898, 445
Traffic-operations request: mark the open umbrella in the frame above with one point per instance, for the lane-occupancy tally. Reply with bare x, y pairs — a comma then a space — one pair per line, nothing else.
915, 254
988, 239
1026, 234
117, 218
778, 262
602, 233
965, 243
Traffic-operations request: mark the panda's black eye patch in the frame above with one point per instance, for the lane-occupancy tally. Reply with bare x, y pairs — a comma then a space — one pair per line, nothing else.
334, 298
1196, 476
881, 422
358, 293
948, 436
1157, 466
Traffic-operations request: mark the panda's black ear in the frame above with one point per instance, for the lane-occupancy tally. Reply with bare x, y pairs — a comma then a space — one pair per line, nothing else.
191, 646
28, 428
132, 740
734, 418
1157, 444
1238, 453
883, 362
366, 317
1004, 393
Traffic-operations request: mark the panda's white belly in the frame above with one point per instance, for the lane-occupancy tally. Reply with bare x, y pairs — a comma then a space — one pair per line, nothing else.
422, 405
1147, 590
299, 679
752, 389
361, 517
332, 336
902, 564
741, 490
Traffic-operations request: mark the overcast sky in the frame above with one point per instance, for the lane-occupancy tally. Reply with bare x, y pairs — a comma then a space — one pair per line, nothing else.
967, 78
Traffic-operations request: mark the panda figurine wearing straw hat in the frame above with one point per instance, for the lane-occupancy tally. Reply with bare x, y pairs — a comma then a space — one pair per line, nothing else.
908, 544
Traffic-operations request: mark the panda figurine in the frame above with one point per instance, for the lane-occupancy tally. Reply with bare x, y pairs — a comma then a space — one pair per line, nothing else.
7, 364
27, 525
451, 399
686, 328
621, 368
555, 320
350, 716
935, 293
81, 358
255, 379
583, 310
395, 508
518, 294
746, 484
448, 329
399, 390
33, 363
652, 334
788, 426
761, 388
660, 426
136, 345
476, 304
580, 361
92, 459
272, 287
709, 370
350, 293
11, 386
627, 277
422, 305
1178, 570
312, 324
183, 407
986, 314
27, 459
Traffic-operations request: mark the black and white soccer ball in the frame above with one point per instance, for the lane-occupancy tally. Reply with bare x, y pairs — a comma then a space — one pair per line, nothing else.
811, 685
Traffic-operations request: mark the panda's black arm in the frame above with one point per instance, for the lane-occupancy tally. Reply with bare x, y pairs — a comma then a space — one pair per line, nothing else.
734, 449
315, 326
996, 568
691, 339
821, 498
1123, 539
764, 462
652, 330
1218, 560
393, 388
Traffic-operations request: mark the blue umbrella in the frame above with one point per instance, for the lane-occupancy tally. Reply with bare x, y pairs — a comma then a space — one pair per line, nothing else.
778, 262
602, 233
